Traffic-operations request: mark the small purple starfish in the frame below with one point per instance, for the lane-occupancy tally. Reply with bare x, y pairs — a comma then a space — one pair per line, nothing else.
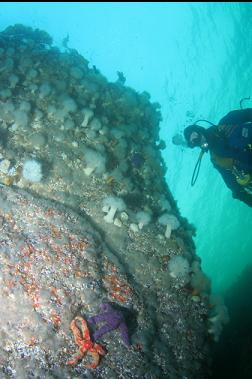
114, 320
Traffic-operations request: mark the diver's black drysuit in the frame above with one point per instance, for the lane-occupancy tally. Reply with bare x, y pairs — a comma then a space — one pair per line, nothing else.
230, 146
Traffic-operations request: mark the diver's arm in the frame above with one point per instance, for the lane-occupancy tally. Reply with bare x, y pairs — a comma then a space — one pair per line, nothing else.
244, 197
238, 191
229, 179
237, 117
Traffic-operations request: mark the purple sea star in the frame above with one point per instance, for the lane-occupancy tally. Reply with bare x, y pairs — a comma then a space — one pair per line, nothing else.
114, 320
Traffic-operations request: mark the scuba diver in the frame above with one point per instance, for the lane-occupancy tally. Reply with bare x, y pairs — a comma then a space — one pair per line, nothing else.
230, 146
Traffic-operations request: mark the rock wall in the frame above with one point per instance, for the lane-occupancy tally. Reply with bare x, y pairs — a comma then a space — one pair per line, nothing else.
87, 218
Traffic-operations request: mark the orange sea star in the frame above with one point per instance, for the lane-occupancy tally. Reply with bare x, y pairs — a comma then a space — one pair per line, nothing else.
83, 340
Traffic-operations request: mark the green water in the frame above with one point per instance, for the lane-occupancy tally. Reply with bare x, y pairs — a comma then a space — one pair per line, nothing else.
194, 59
218, 77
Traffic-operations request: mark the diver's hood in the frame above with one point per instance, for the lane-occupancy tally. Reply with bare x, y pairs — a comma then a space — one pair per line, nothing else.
194, 129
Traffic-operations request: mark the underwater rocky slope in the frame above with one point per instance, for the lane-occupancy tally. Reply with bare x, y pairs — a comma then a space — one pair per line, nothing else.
87, 218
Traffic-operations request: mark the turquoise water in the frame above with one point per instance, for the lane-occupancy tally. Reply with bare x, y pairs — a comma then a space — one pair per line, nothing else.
194, 59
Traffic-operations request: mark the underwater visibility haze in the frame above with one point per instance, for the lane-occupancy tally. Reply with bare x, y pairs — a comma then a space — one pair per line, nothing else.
89, 121
193, 58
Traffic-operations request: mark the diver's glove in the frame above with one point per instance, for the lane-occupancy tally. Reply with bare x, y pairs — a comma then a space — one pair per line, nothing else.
243, 196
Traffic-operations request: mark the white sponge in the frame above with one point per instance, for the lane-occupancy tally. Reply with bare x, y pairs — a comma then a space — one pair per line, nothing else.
179, 268
32, 170
95, 162
111, 205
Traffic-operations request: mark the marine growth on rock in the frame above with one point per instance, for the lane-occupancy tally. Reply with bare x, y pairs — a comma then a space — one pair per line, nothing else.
82, 192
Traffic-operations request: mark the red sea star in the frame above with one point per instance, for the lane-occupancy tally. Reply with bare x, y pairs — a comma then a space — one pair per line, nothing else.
83, 340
